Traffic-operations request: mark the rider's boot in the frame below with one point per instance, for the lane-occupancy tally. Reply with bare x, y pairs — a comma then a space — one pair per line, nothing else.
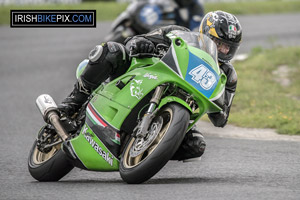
192, 147
75, 100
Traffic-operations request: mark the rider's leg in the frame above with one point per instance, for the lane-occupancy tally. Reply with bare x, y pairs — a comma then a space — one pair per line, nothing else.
108, 59
192, 146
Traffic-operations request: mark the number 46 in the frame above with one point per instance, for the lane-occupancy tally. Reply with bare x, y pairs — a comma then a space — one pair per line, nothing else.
203, 76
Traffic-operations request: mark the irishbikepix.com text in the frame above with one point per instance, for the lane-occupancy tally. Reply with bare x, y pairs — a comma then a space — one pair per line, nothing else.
53, 18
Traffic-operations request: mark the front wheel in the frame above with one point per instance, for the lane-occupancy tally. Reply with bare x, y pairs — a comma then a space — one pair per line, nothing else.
143, 158
48, 163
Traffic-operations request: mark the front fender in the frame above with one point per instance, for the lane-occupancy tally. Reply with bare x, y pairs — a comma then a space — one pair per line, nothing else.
169, 99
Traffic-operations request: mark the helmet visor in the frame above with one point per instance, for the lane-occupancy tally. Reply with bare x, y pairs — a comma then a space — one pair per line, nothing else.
226, 49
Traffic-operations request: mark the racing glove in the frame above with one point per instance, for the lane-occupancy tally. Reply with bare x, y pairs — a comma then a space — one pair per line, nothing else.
139, 45
220, 119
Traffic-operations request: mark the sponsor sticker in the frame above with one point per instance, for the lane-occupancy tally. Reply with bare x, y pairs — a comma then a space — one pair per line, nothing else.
232, 31
150, 76
105, 155
135, 89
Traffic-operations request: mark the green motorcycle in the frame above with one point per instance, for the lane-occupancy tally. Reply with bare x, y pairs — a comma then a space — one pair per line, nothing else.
135, 123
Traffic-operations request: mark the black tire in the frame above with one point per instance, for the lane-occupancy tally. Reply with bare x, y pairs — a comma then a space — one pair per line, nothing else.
51, 166
138, 169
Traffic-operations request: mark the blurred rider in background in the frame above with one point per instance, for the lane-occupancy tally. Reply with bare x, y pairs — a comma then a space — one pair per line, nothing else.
188, 13
143, 16
195, 13
112, 59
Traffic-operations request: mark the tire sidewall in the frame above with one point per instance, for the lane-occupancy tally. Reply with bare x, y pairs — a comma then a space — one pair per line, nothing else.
51, 170
164, 151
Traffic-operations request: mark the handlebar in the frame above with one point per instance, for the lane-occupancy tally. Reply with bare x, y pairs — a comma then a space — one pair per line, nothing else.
159, 51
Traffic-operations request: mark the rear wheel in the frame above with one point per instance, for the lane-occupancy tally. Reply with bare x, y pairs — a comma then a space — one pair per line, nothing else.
143, 158
48, 163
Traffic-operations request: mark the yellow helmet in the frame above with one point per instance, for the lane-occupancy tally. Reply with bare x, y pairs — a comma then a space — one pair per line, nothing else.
222, 27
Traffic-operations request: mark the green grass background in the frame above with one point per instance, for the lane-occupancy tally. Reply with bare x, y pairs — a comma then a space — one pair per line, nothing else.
260, 101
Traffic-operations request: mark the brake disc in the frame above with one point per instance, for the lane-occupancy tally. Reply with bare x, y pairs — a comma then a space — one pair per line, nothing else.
141, 144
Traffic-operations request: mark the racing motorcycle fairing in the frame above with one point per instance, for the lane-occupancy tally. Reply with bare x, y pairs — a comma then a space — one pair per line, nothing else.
189, 64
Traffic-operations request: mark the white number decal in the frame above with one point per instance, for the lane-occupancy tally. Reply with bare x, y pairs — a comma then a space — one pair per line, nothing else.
203, 76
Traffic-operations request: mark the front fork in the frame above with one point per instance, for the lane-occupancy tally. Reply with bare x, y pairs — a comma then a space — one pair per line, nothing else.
149, 115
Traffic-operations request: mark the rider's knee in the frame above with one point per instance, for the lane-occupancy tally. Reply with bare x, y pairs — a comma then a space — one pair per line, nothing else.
118, 57
109, 53
193, 146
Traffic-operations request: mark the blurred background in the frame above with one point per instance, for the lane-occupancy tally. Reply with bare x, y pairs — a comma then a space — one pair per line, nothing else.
270, 29
34, 61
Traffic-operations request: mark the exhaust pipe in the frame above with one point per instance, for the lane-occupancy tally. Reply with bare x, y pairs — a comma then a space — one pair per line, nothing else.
49, 111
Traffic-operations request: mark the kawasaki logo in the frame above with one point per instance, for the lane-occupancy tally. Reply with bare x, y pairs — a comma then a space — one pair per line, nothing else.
97, 148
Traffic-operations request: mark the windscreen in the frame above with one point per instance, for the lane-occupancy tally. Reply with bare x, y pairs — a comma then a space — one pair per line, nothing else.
199, 41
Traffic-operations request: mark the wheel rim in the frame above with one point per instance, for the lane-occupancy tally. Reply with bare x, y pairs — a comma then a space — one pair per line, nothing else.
132, 161
39, 157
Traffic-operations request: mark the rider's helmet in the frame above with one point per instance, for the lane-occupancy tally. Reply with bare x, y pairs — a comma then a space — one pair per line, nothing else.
225, 30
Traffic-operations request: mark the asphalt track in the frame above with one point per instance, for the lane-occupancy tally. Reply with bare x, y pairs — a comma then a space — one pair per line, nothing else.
36, 61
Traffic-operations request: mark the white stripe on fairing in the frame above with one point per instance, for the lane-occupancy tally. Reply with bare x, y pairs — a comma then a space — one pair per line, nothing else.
94, 118
176, 61
108, 124
219, 95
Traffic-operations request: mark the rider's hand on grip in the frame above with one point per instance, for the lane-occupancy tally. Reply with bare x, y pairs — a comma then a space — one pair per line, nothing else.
139, 46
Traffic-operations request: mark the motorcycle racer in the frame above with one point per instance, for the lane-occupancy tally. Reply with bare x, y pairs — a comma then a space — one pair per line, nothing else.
141, 17
111, 59
195, 13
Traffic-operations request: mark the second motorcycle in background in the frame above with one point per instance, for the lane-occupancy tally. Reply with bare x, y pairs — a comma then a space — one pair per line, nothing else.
143, 16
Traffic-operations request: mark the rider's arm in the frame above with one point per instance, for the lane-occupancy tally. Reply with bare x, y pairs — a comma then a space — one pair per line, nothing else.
157, 36
220, 119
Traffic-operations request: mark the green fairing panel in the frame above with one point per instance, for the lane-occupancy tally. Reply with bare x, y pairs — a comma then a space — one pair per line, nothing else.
222, 82
114, 104
203, 48
144, 75
92, 152
205, 105
170, 99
